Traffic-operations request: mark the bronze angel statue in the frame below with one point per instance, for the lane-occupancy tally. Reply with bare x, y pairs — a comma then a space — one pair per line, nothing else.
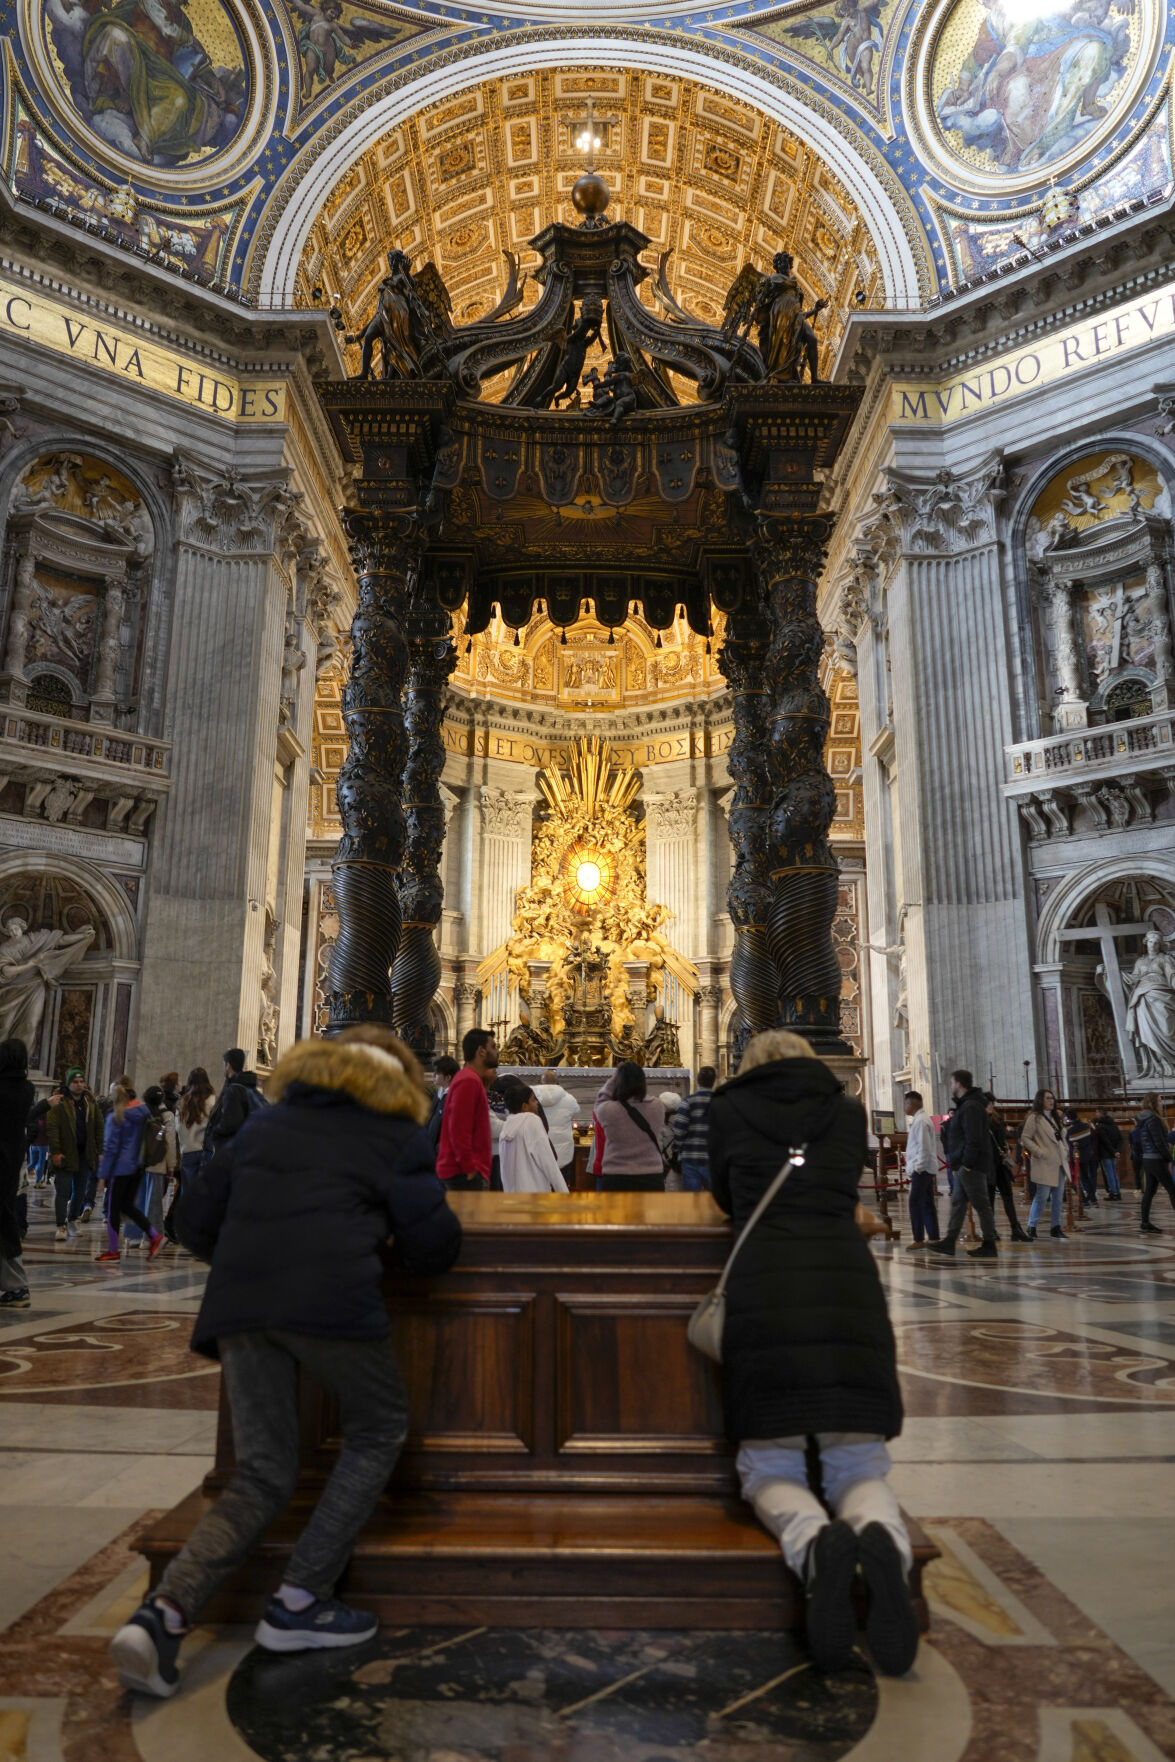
774, 304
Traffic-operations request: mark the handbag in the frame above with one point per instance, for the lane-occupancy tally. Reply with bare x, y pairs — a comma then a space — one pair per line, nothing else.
708, 1321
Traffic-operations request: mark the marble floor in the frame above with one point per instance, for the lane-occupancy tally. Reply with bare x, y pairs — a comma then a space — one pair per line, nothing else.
1037, 1451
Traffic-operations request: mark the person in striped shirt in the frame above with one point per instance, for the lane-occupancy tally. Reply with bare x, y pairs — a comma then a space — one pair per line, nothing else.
690, 1125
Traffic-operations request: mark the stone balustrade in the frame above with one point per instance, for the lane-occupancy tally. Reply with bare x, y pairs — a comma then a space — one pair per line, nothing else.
1144, 743
38, 736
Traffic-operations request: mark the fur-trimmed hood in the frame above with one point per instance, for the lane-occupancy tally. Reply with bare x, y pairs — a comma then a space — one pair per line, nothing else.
374, 1078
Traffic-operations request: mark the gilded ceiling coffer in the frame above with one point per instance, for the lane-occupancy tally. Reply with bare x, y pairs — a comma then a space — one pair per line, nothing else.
626, 496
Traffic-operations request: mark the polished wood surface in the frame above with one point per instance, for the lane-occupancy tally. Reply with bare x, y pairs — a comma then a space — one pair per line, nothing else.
566, 1462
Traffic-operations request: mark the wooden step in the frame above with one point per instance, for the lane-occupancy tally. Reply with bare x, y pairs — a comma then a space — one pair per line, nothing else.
454, 1559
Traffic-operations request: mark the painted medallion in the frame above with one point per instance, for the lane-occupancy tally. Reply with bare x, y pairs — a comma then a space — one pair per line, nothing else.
1019, 86
163, 82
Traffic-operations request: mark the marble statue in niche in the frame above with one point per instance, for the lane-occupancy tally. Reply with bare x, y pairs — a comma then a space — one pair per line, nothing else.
1017, 87
63, 622
32, 962
1150, 1011
1116, 629
161, 81
1089, 491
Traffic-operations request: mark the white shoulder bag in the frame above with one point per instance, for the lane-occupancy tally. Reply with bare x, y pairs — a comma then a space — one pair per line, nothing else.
708, 1321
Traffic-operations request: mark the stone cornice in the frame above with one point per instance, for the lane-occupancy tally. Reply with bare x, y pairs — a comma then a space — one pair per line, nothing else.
1116, 265
61, 259
624, 724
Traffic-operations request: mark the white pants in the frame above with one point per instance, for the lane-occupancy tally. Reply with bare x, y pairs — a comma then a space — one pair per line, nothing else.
854, 1466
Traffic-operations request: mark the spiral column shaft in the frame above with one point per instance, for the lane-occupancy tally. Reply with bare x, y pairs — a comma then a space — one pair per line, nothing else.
370, 783
417, 971
788, 558
754, 979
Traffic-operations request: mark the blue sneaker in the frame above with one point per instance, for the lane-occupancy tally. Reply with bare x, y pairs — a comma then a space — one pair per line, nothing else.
325, 1623
146, 1653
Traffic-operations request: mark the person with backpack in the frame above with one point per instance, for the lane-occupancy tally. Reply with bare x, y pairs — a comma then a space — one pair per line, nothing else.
132, 1135
1082, 1142
239, 1098
690, 1133
160, 1170
196, 1102
1109, 1143
295, 1215
634, 1132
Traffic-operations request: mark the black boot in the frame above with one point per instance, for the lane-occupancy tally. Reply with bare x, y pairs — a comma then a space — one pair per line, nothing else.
829, 1618
1020, 1235
891, 1627
946, 1247
1030, 1233
986, 1251
1059, 1233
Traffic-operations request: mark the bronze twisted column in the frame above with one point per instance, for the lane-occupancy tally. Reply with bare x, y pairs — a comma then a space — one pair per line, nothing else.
788, 555
386, 555
754, 978
417, 972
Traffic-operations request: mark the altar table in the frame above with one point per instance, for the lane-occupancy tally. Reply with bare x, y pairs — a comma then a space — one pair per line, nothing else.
566, 1465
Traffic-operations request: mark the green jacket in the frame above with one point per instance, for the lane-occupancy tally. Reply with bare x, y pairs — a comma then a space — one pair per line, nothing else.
61, 1130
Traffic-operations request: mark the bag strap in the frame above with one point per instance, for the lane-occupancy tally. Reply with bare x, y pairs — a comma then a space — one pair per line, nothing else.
640, 1120
795, 1161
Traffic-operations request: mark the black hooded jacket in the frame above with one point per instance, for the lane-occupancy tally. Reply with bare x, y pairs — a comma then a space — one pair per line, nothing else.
296, 1211
808, 1345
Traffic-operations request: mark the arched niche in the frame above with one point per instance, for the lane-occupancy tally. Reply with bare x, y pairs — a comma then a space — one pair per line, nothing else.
1093, 545
88, 1012
1092, 933
80, 543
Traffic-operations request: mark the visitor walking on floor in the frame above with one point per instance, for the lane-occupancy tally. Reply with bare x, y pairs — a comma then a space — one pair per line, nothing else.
971, 1145
465, 1151
1109, 1143
17, 1096
691, 1124
1155, 1156
561, 1111
37, 1138
240, 1097
444, 1070
74, 1131
196, 1102
131, 1136
807, 1349
1001, 1181
922, 1170
159, 1172
294, 1215
1083, 1149
1043, 1137
631, 1134
528, 1159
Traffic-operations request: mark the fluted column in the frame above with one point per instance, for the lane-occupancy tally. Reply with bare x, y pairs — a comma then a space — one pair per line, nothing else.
371, 782
709, 999
417, 972
503, 860
754, 977
671, 860
788, 558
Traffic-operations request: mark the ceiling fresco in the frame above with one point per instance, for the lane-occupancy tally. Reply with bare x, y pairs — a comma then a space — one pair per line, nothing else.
980, 126
478, 175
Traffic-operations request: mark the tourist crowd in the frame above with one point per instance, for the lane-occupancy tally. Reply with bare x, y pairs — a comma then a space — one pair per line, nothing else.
293, 1198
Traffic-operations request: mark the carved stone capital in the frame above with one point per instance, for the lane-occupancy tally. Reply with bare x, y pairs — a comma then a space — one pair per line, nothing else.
673, 814
232, 512
505, 813
948, 511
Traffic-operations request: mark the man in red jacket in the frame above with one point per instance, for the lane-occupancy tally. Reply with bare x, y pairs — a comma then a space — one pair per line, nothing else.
464, 1153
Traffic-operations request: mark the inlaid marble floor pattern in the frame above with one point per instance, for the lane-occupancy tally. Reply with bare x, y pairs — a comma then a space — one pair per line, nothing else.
1037, 1450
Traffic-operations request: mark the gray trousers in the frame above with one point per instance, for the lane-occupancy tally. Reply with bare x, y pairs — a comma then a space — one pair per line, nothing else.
261, 1381
971, 1186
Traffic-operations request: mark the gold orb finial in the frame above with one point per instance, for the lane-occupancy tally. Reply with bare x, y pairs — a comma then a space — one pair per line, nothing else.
590, 197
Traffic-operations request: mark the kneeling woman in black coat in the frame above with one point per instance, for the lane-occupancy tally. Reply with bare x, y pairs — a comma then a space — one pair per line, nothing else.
808, 1351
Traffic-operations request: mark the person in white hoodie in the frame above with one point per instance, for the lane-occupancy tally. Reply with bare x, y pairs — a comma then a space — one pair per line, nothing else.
524, 1150
562, 1111
922, 1168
